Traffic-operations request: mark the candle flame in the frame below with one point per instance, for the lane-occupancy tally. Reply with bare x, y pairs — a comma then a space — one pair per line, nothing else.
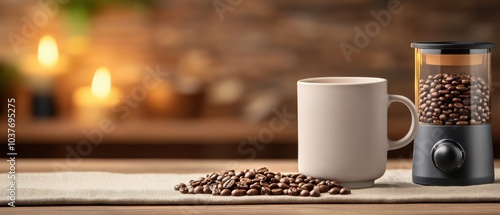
101, 83
47, 51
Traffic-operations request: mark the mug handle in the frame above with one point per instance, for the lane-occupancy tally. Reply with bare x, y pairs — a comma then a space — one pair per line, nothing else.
414, 122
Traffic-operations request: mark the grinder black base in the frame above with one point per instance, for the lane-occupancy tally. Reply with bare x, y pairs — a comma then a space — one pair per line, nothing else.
453, 155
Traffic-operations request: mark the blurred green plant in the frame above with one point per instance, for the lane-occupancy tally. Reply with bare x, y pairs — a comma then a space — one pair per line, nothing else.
80, 11
8, 75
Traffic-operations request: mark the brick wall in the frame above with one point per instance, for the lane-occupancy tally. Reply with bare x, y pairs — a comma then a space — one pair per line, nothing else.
258, 51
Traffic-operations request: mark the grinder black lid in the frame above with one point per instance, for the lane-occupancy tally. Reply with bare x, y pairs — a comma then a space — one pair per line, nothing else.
453, 47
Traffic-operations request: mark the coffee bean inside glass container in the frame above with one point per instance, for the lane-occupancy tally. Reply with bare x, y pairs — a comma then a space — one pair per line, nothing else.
252, 182
454, 99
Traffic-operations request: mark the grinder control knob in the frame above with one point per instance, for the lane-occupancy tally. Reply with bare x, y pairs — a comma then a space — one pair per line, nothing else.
447, 155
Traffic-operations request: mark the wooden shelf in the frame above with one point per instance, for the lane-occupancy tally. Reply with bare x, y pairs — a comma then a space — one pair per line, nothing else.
199, 131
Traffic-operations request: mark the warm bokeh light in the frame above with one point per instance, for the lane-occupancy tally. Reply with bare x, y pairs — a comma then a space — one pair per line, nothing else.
47, 51
101, 83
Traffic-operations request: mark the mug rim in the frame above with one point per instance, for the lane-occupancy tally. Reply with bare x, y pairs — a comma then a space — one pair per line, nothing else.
341, 80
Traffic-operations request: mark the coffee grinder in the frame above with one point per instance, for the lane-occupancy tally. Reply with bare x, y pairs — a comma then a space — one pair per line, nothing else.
453, 145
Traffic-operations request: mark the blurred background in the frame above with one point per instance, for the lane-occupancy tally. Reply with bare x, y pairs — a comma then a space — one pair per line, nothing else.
207, 78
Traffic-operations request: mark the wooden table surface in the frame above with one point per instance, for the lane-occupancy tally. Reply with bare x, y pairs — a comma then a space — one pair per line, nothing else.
192, 166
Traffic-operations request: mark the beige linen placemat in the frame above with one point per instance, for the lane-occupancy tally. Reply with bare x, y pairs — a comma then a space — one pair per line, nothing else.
85, 188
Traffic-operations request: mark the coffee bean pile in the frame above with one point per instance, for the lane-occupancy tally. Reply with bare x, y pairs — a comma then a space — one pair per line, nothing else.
260, 182
451, 99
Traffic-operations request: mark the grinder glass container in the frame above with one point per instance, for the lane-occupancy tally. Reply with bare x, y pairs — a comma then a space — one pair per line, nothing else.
453, 95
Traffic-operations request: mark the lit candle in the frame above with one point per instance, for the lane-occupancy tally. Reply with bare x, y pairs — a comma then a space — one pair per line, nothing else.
40, 69
48, 53
92, 103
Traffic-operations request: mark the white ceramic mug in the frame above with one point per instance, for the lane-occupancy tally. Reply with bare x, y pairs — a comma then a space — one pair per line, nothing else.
342, 124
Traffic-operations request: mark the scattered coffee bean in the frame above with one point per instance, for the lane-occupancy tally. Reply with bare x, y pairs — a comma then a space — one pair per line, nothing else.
304, 193
332, 184
283, 185
345, 191
229, 184
216, 191
239, 174
334, 191
450, 99
273, 186
238, 192
285, 192
176, 187
206, 189
261, 182
255, 186
277, 191
308, 187
250, 174
198, 190
265, 191
322, 188
183, 190
285, 180
315, 193
262, 170
225, 192
293, 191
